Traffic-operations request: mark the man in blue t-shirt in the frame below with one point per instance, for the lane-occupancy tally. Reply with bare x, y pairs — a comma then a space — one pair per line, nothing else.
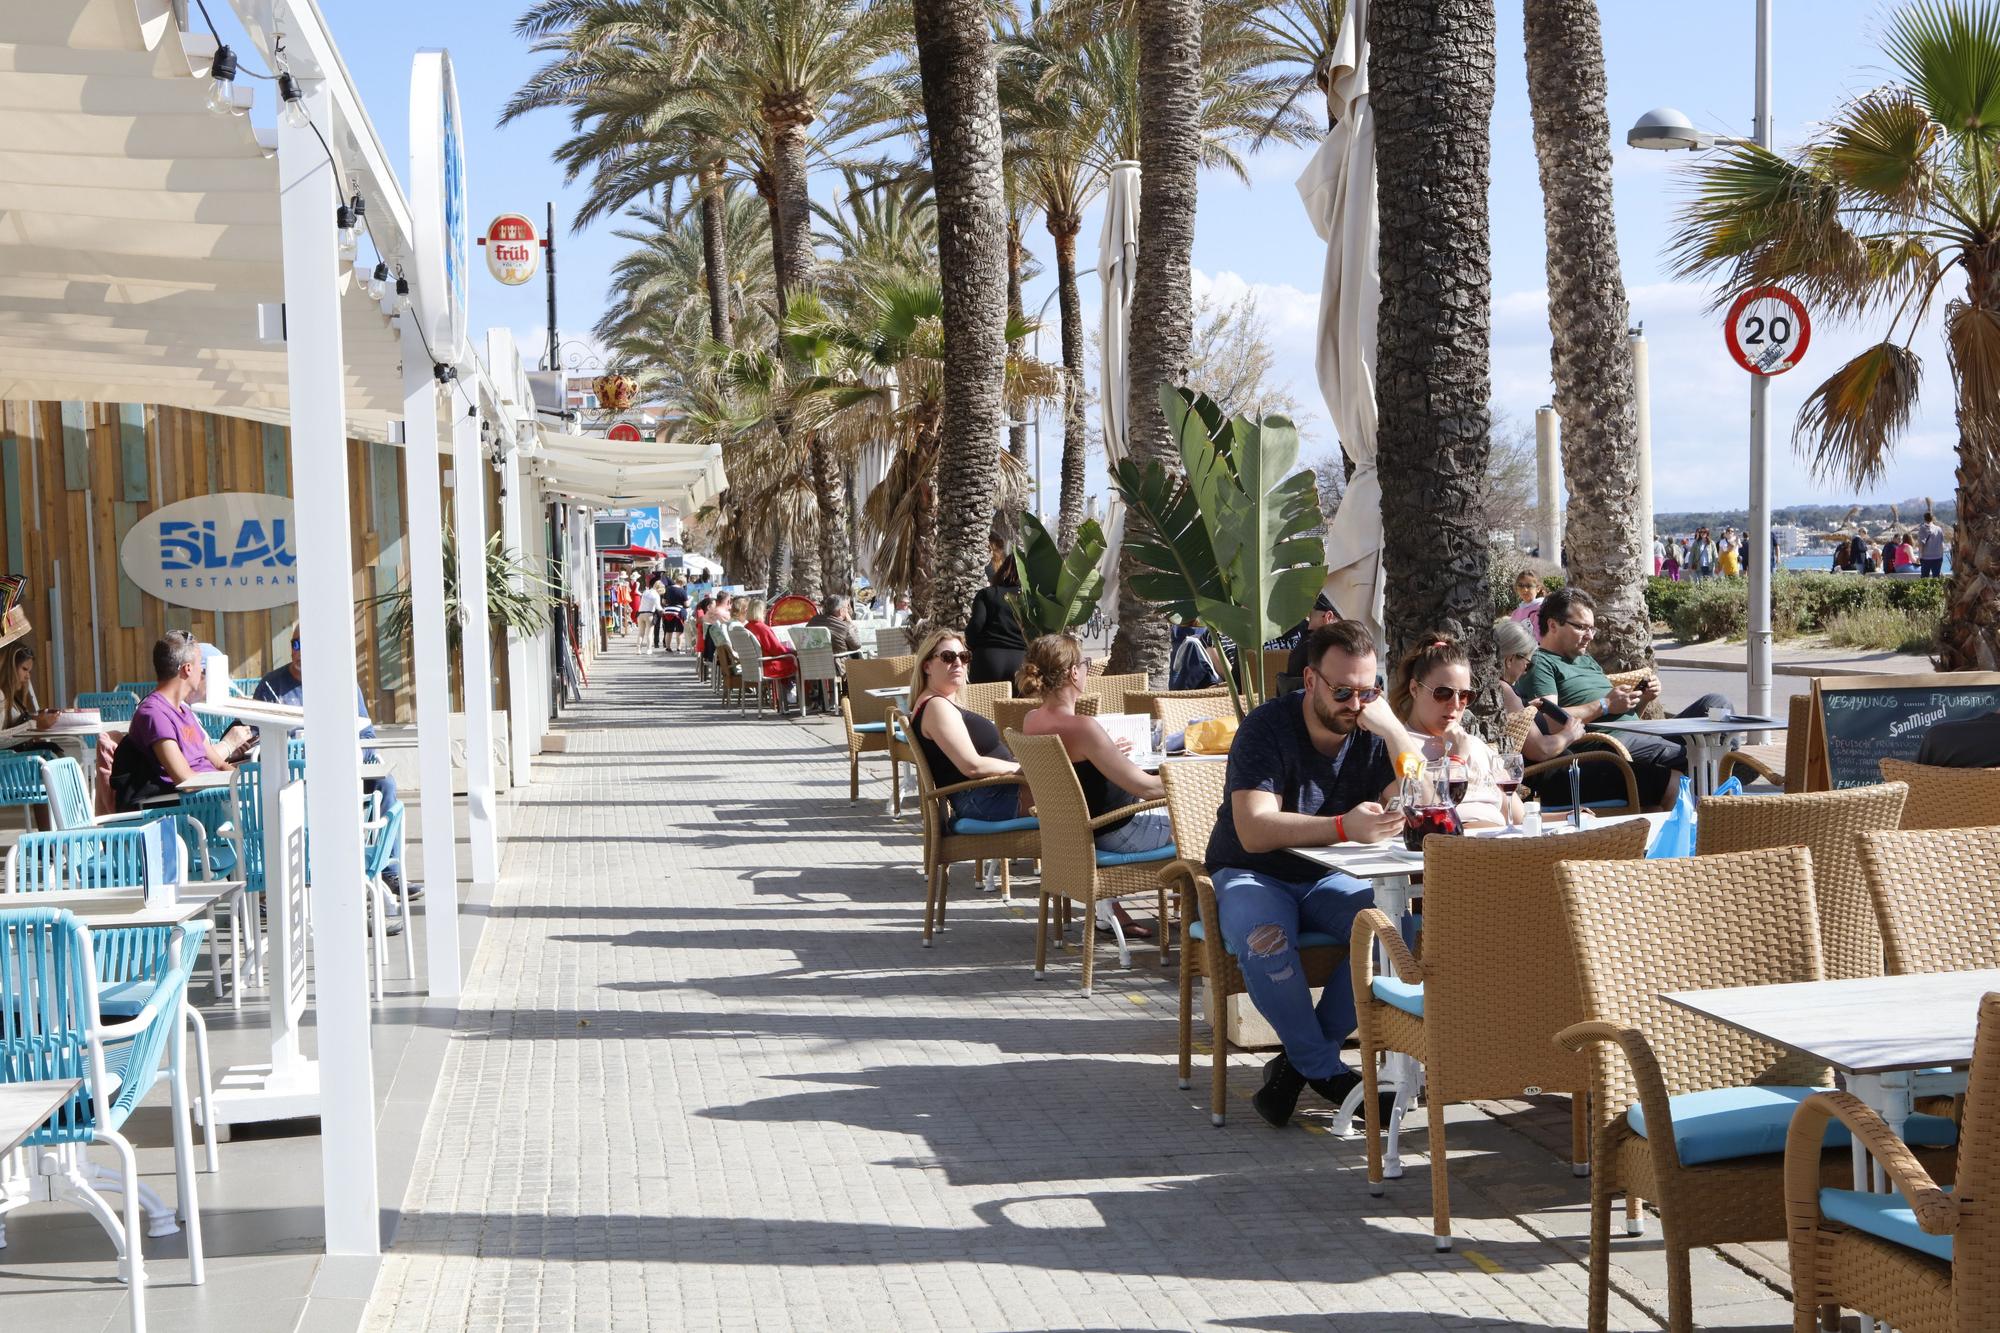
1307, 769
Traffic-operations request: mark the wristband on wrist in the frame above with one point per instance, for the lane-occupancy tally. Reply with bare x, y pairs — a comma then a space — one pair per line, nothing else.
1339, 830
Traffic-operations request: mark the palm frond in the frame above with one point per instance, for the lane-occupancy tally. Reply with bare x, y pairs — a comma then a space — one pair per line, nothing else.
1849, 422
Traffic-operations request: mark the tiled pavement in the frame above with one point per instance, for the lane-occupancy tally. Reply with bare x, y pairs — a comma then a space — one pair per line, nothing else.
705, 1078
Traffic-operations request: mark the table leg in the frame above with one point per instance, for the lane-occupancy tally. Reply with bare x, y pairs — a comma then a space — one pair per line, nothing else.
1392, 899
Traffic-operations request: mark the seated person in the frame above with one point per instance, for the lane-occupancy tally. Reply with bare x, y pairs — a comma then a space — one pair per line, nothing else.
1973, 742
835, 616
286, 685
1567, 676
1307, 769
1528, 593
165, 744
1324, 613
1515, 647
720, 612
1430, 690
959, 745
780, 661
1055, 673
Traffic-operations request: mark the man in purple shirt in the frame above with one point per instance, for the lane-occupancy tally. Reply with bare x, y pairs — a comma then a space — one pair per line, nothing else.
165, 744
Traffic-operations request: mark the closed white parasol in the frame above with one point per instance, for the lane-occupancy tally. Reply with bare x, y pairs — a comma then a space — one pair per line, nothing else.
1117, 256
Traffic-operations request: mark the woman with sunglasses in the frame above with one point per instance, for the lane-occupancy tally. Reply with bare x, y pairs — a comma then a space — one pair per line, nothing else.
1432, 689
959, 745
1515, 647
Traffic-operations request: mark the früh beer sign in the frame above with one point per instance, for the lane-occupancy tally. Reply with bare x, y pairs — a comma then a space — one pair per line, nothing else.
513, 249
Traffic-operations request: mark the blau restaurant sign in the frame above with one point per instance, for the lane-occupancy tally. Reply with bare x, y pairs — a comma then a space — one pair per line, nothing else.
216, 553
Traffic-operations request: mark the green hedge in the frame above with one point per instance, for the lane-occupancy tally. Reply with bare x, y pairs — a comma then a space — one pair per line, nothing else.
1800, 603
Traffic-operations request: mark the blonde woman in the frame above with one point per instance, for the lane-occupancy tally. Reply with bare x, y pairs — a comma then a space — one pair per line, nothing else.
959, 745
1431, 690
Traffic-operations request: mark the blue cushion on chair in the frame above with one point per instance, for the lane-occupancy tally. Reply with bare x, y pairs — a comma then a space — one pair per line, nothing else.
870, 728
1166, 853
1310, 939
1721, 1123
1015, 825
124, 999
1400, 994
1886, 1216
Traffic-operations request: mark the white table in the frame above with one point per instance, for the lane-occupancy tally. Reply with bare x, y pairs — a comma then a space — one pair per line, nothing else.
1878, 1032
28, 731
25, 1106
1708, 742
890, 692
121, 909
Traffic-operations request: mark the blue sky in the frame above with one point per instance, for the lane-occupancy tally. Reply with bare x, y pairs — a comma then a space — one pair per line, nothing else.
1696, 55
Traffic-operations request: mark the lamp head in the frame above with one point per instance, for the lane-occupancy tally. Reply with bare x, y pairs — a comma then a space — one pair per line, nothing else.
1666, 129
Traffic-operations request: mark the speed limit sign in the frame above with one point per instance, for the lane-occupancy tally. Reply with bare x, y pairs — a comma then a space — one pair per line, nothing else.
1767, 330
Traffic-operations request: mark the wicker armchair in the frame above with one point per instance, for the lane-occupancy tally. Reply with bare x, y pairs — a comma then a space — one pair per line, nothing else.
1896, 1256
1936, 895
973, 698
1008, 714
1195, 792
817, 665
1946, 797
1111, 690
1072, 867
894, 641
1643, 928
867, 720
1829, 824
1146, 701
945, 844
1590, 750
1180, 714
1497, 981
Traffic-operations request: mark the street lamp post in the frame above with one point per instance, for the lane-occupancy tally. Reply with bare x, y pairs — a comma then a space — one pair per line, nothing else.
1666, 129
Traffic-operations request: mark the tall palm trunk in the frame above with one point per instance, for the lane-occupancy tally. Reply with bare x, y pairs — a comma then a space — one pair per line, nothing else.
1017, 434
836, 518
715, 251
962, 116
1162, 322
1970, 637
1588, 318
805, 558
1063, 228
1431, 79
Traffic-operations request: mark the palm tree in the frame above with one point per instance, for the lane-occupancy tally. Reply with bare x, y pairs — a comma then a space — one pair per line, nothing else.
1301, 32
1588, 318
962, 115
663, 300
1431, 83
1896, 195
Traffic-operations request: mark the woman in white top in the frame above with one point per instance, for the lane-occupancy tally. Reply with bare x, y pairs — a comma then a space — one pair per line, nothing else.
1432, 688
649, 615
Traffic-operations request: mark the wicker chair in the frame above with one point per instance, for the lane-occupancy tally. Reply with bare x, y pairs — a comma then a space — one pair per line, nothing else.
1179, 714
893, 641
1497, 981
725, 676
944, 841
867, 720
1647, 927
1782, 764
1111, 690
1829, 824
973, 698
1072, 867
1147, 701
1896, 1256
1590, 750
1009, 714
1946, 797
1936, 895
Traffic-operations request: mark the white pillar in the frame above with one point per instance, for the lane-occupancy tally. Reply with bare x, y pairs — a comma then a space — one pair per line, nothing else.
1757, 649
476, 653
1642, 406
431, 667
1548, 483
521, 675
309, 192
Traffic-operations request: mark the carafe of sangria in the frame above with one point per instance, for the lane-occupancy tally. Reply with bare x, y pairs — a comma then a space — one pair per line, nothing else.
1430, 802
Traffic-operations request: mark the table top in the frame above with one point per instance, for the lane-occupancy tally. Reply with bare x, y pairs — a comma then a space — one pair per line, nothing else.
1866, 1025
24, 1106
28, 731
1391, 860
890, 692
263, 713
121, 909
1693, 726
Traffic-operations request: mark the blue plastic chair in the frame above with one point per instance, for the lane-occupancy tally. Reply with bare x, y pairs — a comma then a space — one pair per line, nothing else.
52, 1027
245, 685
111, 705
138, 689
21, 780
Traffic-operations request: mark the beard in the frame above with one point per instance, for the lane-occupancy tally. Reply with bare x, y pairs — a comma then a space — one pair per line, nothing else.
1339, 722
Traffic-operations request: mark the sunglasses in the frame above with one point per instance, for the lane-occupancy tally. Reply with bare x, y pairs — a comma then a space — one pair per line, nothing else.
1444, 693
1367, 694
295, 645
950, 658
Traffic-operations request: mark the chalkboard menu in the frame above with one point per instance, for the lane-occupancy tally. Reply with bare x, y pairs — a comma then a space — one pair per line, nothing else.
1858, 721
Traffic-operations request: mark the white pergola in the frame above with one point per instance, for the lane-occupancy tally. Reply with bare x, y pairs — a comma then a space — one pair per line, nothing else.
593, 470
146, 245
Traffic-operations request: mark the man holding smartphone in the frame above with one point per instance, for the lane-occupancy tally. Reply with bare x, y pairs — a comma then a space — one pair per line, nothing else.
1566, 675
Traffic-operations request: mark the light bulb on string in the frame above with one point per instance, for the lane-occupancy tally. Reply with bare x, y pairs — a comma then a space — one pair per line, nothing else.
295, 111
378, 281
222, 84
402, 294
347, 233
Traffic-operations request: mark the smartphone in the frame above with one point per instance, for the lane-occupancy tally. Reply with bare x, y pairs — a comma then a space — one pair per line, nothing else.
1549, 719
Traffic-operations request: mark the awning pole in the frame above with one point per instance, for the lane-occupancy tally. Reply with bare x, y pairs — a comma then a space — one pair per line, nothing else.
476, 653
432, 664
308, 191
520, 694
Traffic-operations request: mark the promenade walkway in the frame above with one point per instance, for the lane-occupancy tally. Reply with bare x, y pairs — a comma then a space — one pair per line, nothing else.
705, 1078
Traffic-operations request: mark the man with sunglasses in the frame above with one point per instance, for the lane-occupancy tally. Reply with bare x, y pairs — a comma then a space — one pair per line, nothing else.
1566, 675
1307, 769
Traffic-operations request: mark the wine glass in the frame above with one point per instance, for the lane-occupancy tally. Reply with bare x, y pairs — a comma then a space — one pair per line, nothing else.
1508, 766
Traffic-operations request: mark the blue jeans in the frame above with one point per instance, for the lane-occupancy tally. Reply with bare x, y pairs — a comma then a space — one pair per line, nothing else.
1148, 831
1252, 905
387, 786
995, 803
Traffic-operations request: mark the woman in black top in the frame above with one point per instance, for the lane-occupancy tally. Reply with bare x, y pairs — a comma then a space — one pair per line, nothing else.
993, 632
959, 745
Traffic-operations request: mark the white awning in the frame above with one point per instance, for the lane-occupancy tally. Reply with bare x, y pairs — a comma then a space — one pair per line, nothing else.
139, 230
679, 477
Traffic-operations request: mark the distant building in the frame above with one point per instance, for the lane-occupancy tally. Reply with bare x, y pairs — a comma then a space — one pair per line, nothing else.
1791, 540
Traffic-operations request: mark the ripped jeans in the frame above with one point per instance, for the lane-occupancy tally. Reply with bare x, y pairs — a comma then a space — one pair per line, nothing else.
1262, 918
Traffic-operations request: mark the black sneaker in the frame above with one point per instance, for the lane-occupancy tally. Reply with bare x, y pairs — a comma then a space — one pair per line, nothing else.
1280, 1093
1337, 1087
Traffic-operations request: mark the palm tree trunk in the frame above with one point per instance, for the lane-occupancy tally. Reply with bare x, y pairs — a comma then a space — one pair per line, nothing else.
805, 558
1017, 435
1431, 79
1970, 637
715, 252
836, 520
962, 116
1162, 320
1588, 318
1070, 514
780, 556
791, 206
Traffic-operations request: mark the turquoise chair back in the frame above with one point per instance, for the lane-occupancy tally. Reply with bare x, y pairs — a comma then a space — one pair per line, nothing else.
92, 858
246, 685
295, 758
70, 806
21, 780
383, 850
138, 689
211, 810
249, 815
214, 725
111, 705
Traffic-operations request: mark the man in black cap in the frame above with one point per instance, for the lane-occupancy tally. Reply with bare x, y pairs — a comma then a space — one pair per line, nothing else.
1324, 612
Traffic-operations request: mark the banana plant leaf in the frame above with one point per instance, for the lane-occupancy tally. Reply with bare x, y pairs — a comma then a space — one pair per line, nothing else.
1057, 591
1166, 537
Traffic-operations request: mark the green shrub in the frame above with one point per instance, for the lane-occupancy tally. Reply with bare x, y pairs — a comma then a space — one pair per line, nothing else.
1711, 609
1918, 594
1664, 597
1885, 629
1804, 603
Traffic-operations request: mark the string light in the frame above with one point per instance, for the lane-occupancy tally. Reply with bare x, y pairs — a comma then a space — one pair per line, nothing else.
402, 293
222, 88
295, 111
378, 281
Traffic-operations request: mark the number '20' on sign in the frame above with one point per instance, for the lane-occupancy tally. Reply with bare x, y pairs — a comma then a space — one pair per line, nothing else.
1767, 330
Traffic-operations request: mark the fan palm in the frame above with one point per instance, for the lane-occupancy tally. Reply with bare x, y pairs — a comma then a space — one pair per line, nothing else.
1896, 198
661, 300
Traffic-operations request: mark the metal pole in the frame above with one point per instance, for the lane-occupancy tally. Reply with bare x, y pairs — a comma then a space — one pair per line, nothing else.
1758, 648
1642, 404
476, 645
550, 240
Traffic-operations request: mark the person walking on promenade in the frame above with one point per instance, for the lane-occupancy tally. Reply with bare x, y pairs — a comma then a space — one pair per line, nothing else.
1930, 546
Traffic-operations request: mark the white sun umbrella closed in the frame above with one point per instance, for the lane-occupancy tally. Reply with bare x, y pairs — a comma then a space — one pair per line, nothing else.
1338, 189
1117, 257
